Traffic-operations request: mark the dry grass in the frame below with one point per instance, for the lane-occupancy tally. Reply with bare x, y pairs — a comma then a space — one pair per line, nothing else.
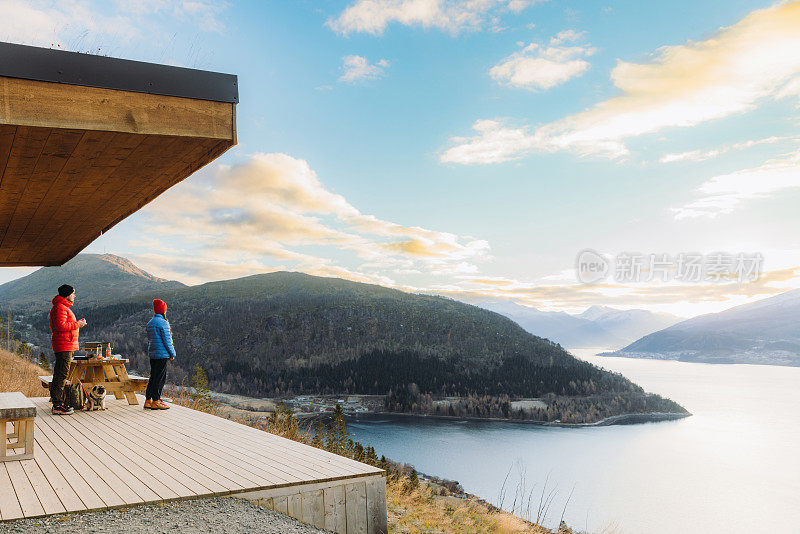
18, 374
183, 396
421, 509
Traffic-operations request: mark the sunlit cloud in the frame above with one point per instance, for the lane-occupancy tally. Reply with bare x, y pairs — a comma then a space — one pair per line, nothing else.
453, 16
679, 298
357, 68
273, 208
732, 72
543, 66
724, 193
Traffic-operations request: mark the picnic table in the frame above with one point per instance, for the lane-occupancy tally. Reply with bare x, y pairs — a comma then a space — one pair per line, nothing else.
109, 372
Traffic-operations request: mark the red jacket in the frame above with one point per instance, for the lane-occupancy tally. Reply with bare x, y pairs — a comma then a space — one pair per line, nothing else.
63, 326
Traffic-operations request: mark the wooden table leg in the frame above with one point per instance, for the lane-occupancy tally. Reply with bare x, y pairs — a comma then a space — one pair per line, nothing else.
3, 449
126, 381
113, 371
99, 375
28, 437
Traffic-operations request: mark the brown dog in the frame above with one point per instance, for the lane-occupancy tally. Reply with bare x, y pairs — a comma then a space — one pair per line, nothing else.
97, 398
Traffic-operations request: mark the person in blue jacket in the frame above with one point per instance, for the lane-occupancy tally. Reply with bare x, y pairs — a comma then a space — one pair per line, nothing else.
161, 350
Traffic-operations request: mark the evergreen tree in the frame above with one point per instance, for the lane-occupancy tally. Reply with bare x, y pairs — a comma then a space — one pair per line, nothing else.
201, 394
337, 432
318, 440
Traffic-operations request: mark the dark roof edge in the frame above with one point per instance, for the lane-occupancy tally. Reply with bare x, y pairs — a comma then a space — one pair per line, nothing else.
73, 68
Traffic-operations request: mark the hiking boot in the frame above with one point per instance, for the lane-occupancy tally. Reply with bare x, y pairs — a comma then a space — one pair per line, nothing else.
62, 409
148, 405
160, 405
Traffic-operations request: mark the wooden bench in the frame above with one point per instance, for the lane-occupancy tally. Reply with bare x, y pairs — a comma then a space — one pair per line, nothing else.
17, 409
138, 383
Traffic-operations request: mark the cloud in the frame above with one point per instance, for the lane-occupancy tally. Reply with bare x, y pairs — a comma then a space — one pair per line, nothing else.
357, 68
494, 143
453, 16
58, 24
703, 155
681, 299
723, 194
274, 208
539, 66
791, 90
733, 71
83, 26
690, 155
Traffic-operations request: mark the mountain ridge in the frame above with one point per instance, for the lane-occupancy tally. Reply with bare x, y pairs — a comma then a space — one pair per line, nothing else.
761, 332
97, 279
597, 326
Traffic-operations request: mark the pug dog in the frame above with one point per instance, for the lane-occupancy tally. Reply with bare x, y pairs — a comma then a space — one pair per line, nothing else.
97, 398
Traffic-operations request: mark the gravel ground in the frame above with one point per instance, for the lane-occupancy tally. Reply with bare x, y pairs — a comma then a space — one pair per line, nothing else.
221, 515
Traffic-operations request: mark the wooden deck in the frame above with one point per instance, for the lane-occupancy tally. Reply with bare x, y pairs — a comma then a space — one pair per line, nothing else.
126, 456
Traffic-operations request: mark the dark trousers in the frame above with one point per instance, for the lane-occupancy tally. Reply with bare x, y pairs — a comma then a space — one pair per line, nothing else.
60, 371
158, 375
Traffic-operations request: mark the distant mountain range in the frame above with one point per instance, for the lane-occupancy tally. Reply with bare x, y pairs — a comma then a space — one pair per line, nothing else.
763, 332
598, 326
97, 279
288, 333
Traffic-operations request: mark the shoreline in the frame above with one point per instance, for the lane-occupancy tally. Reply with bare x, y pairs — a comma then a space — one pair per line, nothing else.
370, 405
679, 357
621, 419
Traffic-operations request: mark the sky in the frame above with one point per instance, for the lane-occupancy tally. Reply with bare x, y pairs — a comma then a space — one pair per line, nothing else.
476, 148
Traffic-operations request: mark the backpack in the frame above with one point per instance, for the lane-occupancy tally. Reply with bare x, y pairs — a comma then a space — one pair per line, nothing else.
75, 396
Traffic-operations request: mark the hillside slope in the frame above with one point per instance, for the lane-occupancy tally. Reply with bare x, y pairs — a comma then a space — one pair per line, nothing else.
764, 332
97, 279
291, 333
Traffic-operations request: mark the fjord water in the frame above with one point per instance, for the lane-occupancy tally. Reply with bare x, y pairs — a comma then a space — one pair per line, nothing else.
734, 466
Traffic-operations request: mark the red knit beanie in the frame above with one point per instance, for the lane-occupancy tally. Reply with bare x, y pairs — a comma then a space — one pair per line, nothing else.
159, 306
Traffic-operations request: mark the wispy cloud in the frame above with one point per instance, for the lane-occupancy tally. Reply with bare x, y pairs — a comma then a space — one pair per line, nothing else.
453, 16
703, 155
734, 71
724, 193
540, 66
357, 68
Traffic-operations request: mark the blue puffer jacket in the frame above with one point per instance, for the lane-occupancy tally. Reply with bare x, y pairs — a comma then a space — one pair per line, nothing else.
159, 336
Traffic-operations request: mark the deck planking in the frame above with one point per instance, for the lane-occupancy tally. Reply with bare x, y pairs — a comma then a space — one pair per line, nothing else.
125, 456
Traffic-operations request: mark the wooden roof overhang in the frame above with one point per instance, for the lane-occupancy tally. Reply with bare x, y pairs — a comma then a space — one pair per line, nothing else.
86, 140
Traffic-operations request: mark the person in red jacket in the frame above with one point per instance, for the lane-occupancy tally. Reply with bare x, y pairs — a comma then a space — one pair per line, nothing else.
64, 339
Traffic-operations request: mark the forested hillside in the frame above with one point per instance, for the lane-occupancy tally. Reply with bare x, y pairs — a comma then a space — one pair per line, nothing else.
291, 333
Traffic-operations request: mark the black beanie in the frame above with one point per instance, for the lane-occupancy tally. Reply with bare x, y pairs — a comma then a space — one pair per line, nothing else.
66, 290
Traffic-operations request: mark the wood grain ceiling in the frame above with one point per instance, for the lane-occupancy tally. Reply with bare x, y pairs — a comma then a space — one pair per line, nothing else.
77, 160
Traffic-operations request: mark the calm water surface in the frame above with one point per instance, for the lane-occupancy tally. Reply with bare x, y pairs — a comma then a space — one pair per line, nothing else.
734, 466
